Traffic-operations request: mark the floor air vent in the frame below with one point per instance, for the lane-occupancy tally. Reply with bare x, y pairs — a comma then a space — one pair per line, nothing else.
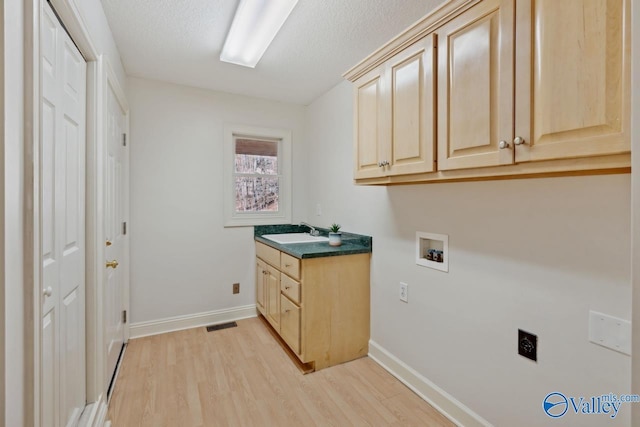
221, 326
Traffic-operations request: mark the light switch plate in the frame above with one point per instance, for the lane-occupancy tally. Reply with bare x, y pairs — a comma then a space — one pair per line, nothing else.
610, 332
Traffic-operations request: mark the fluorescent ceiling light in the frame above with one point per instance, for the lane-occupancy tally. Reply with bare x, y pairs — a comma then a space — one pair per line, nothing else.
254, 27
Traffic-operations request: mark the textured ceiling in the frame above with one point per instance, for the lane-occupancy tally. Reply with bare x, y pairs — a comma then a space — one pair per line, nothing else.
179, 41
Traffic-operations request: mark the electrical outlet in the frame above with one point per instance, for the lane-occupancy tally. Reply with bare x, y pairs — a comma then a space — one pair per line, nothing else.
236, 288
404, 292
527, 345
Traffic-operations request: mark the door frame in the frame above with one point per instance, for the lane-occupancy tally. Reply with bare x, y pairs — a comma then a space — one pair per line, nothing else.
110, 81
99, 75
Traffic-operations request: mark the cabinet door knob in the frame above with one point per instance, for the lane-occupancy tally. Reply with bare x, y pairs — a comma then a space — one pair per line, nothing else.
112, 264
47, 292
503, 144
518, 140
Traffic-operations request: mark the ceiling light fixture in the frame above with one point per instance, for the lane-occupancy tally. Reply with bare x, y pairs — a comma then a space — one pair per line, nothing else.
254, 27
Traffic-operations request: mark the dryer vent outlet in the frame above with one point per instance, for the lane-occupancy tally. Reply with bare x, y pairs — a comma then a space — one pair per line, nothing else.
528, 345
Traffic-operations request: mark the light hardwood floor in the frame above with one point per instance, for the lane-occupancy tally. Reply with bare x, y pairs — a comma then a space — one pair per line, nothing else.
243, 377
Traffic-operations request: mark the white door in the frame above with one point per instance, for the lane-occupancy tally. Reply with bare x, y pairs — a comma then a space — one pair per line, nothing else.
62, 124
116, 233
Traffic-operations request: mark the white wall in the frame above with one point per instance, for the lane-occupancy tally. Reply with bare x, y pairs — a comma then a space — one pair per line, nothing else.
183, 261
13, 214
535, 254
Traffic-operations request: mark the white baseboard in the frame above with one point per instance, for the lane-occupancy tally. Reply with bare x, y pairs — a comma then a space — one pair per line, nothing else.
178, 323
94, 414
101, 419
442, 401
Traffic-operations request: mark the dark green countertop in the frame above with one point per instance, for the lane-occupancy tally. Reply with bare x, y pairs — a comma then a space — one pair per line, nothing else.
351, 243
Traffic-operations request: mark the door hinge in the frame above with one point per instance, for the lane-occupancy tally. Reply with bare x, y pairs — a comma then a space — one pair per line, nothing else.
124, 316
124, 139
124, 228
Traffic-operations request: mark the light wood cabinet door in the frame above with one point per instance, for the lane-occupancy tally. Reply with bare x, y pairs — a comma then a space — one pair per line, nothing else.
273, 297
372, 134
261, 269
413, 78
290, 323
572, 88
475, 87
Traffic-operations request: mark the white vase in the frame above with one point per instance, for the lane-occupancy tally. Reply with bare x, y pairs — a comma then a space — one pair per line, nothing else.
335, 239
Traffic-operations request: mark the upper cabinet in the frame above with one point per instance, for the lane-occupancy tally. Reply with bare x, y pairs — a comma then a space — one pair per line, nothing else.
482, 89
475, 87
572, 78
371, 124
395, 114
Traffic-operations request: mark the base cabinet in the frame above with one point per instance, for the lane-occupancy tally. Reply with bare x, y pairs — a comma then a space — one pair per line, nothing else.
321, 306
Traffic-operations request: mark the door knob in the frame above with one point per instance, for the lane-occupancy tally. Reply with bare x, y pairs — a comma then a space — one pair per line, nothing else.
112, 264
108, 243
47, 292
518, 140
503, 144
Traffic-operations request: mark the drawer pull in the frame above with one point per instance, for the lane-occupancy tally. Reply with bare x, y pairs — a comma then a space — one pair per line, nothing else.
287, 310
287, 265
287, 287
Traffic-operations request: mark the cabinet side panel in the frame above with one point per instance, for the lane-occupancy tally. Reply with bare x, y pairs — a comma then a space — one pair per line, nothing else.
316, 312
336, 309
350, 312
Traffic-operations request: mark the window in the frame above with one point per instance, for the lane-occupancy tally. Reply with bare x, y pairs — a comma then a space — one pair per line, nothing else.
257, 176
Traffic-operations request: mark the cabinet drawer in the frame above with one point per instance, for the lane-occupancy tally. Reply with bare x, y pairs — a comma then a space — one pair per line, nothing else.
268, 254
290, 265
290, 323
290, 288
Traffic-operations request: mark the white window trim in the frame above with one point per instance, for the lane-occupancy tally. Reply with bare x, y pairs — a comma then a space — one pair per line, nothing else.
244, 219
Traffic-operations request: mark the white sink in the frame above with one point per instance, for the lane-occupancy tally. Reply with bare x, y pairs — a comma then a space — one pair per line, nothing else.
289, 238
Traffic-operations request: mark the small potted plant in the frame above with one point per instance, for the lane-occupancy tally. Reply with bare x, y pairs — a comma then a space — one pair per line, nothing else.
335, 236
